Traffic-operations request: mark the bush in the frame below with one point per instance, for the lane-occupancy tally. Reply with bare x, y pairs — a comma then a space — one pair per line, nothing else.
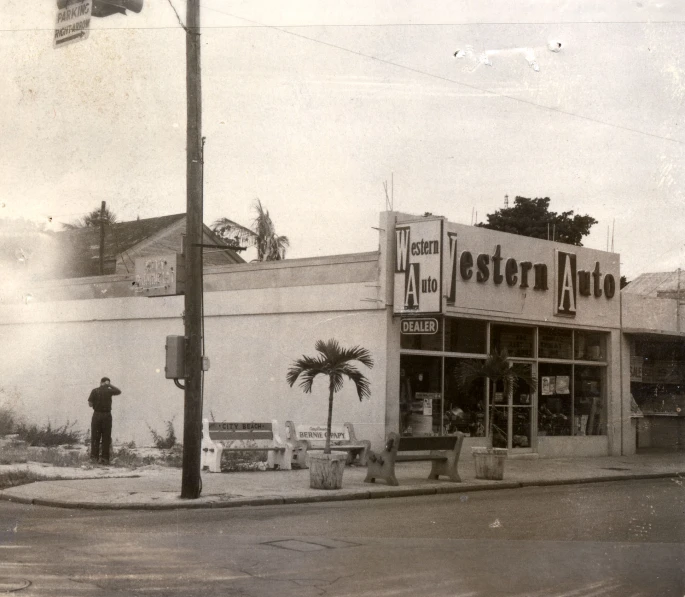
8, 421
47, 435
21, 477
57, 456
166, 442
125, 456
237, 460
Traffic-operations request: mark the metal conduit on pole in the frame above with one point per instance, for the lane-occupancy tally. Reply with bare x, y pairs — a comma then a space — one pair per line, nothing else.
191, 484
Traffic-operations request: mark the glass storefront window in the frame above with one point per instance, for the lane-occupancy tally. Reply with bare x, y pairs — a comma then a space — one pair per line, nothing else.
590, 346
555, 403
420, 394
465, 335
423, 341
657, 375
517, 341
464, 409
555, 343
589, 414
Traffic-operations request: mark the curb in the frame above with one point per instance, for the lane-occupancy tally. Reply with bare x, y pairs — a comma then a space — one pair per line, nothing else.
331, 497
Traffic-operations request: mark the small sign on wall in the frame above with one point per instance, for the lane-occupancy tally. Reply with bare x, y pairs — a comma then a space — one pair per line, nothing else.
160, 275
636, 364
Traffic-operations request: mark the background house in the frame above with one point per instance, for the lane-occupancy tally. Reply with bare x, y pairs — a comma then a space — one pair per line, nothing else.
37, 264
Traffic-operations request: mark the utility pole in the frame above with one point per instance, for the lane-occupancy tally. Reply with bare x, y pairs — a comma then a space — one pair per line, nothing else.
102, 239
191, 483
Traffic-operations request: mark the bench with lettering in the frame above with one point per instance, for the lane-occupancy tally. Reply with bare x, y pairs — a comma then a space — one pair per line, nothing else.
313, 437
221, 437
443, 455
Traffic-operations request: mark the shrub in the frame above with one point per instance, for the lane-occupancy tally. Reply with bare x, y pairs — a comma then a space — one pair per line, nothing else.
243, 461
47, 435
21, 477
125, 456
166, 442
56, 456
8, 420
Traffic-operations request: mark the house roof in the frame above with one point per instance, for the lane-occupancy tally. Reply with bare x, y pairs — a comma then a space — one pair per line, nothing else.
79, 248
657, 284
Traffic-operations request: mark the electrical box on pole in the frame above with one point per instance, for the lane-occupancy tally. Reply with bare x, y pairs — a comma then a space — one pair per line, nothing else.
175, 367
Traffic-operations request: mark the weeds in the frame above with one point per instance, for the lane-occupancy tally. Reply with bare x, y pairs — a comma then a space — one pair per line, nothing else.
243, 461
47, 435
8, 420
125, 456
166, 442
57, 456
15, 478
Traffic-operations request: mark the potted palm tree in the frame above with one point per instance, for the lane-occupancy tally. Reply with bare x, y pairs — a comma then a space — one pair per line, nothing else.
326, 467
499, 371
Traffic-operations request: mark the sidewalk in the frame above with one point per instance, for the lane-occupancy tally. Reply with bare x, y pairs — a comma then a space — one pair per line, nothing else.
150, 488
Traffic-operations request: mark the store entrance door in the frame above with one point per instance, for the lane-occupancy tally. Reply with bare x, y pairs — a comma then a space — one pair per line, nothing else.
513, 425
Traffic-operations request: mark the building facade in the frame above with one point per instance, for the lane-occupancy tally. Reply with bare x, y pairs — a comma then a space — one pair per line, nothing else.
434, 295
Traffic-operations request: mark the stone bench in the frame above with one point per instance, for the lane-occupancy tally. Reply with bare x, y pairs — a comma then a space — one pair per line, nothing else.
303, 438
443, 454
219, 437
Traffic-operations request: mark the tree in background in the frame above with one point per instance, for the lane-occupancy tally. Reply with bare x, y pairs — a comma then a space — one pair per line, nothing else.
270, 246
531, 217
92, 219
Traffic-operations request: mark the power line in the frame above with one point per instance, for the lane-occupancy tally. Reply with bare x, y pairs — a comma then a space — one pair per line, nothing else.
468, 85
257, 25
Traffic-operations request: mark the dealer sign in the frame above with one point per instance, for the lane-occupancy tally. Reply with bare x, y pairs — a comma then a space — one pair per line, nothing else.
419, 325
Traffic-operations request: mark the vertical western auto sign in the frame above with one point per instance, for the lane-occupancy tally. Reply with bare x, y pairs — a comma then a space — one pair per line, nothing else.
73, 22
418, 267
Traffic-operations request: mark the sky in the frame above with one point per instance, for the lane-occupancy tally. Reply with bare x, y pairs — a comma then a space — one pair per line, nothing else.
311, 106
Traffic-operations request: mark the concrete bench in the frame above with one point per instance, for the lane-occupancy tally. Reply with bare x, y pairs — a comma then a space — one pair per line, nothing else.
303, 438
443, 455
221, 437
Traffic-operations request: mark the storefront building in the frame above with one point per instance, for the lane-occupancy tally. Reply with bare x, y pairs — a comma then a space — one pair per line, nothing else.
435, 294
654, 349
461, 292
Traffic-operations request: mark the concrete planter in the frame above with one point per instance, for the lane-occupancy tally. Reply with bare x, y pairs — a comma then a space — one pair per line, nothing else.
489, 463
326, 470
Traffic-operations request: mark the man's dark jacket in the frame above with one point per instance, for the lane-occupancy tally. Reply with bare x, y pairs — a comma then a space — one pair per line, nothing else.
101, 398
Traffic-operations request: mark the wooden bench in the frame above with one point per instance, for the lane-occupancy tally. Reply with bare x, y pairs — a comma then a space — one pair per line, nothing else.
303, 438
443, 455
221, 437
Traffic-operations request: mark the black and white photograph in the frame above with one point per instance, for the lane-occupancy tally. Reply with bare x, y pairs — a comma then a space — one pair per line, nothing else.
322, 299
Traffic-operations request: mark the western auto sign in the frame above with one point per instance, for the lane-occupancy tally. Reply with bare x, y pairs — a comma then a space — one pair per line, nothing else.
572, 283
411, 326
73, 22
418, 267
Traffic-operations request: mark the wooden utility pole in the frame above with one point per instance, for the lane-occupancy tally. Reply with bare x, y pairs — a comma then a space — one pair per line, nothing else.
191, 483
102, 238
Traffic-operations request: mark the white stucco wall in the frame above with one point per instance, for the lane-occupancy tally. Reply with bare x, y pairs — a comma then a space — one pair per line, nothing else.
55, 353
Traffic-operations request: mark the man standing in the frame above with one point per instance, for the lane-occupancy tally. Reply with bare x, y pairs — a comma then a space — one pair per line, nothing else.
100, 400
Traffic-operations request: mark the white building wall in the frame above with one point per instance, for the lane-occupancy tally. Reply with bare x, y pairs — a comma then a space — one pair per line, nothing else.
56, 352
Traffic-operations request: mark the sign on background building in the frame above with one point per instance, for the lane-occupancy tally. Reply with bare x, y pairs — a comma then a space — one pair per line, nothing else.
418, 267
160, 275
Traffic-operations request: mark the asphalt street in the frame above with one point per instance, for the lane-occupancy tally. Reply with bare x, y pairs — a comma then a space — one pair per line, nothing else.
622, 539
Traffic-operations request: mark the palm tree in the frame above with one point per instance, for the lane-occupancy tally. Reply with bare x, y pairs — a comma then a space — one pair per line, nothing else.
333, 361
497, 369
270, 246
